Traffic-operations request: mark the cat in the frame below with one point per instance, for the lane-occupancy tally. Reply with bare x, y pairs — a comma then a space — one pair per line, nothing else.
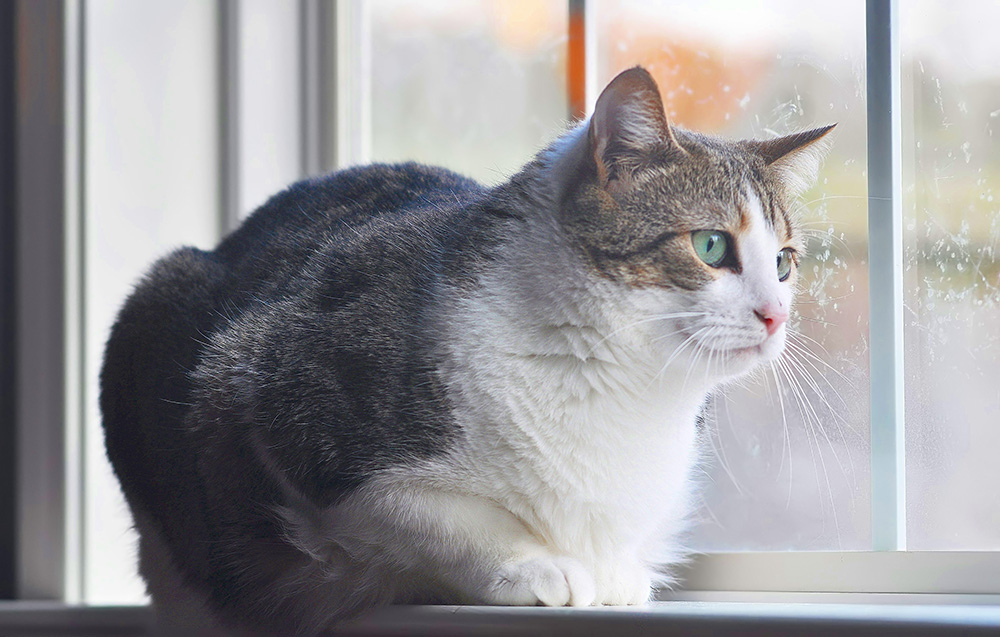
394, 385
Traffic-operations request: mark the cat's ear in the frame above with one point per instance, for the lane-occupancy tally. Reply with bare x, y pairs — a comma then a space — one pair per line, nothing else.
795, 158
629, 128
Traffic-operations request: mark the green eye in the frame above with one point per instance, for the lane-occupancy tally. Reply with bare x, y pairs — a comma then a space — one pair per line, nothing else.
711, 246
784, 264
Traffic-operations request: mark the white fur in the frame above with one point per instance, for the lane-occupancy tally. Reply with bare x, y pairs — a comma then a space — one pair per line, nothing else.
734, 339
571, 481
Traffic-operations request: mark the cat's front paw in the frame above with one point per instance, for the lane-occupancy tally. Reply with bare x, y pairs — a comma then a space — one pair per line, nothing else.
552, 581
624, 586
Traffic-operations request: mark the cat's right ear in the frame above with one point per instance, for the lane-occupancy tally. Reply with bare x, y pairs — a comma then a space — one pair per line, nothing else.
629, 129
795, 159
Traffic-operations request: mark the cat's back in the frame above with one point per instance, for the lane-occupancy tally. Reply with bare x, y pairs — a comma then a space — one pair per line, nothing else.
336, 209
161, 334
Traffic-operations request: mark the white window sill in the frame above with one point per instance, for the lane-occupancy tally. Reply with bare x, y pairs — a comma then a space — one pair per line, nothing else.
824, 615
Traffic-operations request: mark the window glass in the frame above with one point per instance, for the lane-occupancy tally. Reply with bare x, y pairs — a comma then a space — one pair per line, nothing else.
789, 465
151, 185
475, 86
951, 181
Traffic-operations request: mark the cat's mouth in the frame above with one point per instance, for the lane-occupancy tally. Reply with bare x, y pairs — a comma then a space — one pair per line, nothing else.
755, 350
717, 346
741, 354
762, 352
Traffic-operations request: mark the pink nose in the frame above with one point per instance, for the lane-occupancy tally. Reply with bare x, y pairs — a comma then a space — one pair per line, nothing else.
772, 316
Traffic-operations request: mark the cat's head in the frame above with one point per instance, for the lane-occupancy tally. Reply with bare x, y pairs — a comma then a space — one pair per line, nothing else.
697, 229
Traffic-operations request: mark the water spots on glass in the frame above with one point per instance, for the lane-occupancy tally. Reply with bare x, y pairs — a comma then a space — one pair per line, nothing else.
951, 274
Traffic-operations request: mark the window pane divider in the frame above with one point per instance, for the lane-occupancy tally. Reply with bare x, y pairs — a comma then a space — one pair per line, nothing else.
74, 325
41, 302
581, 59
885, 275
314, 20
229, 115
352, 69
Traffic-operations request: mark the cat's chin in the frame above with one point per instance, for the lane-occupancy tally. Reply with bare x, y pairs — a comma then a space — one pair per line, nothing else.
739, 361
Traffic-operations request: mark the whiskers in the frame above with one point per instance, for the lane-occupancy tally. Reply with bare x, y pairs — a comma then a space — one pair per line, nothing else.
695, 337
813, 396
806, 377
659, 317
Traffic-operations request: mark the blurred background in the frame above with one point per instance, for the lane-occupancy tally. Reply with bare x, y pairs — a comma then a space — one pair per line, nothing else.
480, 86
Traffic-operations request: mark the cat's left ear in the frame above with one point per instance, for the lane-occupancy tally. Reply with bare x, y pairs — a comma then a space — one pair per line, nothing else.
796, 158
629, 129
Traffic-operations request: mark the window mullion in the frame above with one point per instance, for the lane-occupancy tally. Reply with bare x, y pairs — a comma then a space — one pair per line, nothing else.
885, 258
581, 72
313, 21
352, 68
229, 115
8, 300
74, 323
40, 300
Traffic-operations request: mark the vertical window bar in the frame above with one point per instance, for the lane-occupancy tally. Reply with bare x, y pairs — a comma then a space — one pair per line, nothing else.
576, 60
74, 324
40, 301
581, 57
885, 259
313, 20
352, 83
229, 115
328, 83
8, 312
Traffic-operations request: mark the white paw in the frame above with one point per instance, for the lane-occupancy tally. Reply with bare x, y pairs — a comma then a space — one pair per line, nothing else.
552, 581
625, 586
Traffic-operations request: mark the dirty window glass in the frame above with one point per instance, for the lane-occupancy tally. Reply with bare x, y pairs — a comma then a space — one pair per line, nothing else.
475, 86
951, 181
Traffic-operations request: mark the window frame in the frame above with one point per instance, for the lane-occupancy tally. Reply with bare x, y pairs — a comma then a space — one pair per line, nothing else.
8, 315
46, 420
50, 285
958, 575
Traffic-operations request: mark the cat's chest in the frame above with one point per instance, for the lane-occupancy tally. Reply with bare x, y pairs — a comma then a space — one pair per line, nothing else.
581, 443
572, 428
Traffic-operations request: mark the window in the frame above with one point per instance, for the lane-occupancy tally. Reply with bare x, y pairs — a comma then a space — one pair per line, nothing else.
177, 118
951, 240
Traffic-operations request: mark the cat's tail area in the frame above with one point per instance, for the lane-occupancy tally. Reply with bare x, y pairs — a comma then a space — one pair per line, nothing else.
305, 600
279, 594
154, 344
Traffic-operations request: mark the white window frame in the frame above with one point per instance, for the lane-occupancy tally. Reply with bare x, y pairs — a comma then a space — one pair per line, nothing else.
335, 70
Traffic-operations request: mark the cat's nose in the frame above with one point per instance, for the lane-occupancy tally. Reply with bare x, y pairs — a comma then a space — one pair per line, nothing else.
772, 316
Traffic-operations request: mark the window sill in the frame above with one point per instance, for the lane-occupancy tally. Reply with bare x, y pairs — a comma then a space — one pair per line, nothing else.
822, 616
